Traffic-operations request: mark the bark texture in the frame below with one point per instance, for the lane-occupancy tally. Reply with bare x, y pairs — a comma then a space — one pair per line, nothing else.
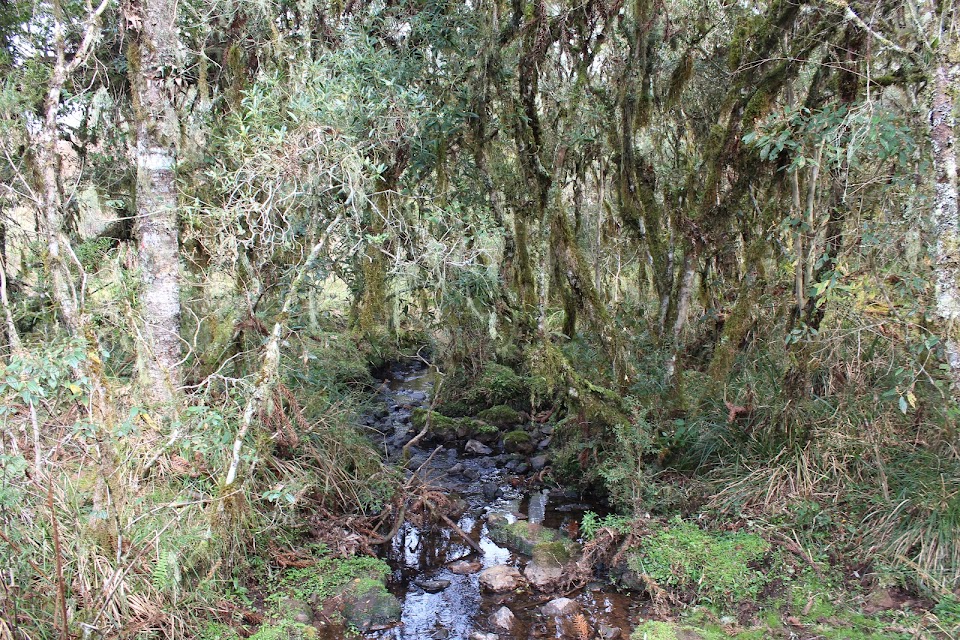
152, 59
945, 215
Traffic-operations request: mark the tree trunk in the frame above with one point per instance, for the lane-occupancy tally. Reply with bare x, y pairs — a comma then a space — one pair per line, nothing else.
945, 215
152, 57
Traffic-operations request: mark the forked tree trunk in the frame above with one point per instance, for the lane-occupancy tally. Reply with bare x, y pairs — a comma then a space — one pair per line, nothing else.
152, 60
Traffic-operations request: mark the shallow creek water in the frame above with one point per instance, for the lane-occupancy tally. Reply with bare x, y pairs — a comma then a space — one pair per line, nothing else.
485, 484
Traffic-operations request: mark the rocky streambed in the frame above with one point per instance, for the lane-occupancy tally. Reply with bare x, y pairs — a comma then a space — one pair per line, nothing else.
509, 579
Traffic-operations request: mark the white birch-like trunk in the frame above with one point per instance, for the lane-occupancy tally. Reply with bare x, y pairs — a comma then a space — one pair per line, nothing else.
945, 214
153, 61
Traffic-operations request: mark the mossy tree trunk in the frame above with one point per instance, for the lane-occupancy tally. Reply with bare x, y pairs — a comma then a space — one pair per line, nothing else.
154, 62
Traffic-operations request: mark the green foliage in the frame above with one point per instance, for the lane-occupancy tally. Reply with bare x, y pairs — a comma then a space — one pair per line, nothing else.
720, 569
916, 529
330, 574
591, 524
217, 631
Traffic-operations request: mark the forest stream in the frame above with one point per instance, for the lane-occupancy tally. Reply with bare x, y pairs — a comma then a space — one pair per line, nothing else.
436, 573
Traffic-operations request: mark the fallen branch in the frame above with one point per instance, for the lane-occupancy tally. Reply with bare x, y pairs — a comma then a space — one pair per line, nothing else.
453, 525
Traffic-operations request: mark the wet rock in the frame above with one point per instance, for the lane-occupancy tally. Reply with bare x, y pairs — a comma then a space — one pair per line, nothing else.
512, 465
609, 633
546, 429
463, 568
538, 462
541, 577
577, 506
456, 469
477, 448
543, 444
491, 491
471, 474
296, 610
503, 618
477, 635
523, 467
366, 606
501, 579
432, 586
560, 607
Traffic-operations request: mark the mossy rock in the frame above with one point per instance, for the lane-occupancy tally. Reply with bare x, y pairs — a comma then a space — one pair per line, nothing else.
446, 429
496, 385
501, 416
368, 604
522, 536
518, 442
454, 409
556, 553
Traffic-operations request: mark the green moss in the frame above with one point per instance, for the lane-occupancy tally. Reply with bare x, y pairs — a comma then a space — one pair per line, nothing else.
495, 386
656, 630
329, 575
518, 441
720, 569
500, 415
556, 553
217, 631
439, 423
454, 408
285, 630
522, 536
446, 428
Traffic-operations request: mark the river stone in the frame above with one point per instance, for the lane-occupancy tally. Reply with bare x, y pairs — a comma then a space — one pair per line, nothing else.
456, 469
477, 448
538, 462
609, 633
503, 618
370, 606
560, 607
463, 568
432, 586
543, 578
478, 635
501, 578
492, 491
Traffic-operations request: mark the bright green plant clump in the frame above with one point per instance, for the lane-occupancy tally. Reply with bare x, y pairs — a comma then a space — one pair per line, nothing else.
328, 575
719, 569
